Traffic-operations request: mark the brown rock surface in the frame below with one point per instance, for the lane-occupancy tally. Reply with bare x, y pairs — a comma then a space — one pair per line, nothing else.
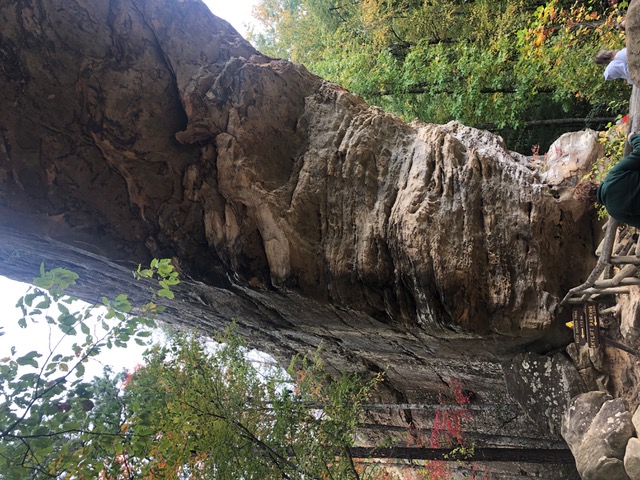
133, 129
632, 29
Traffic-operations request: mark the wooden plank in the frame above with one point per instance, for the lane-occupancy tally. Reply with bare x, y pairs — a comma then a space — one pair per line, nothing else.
612, 282
625, 259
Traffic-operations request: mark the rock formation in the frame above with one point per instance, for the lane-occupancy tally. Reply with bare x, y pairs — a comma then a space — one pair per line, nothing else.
597, 429
543, 386
133, 129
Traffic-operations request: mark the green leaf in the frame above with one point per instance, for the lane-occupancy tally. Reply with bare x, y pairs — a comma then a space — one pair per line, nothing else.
22, 323
46, 303
85, 329
29, 377
29, 359
72, 426
30, 297
67, 329
166, 293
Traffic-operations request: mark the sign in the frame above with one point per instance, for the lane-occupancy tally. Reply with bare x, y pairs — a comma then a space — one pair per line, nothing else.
593, 325
585, 321
578, 319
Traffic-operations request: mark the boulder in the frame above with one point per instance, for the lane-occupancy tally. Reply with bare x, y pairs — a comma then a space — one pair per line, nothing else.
579, 415
597, 429
543, 386
571, 156
632, 459
588, 361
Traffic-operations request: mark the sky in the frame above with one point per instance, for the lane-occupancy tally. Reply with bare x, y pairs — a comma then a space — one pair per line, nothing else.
37, 337
236, 12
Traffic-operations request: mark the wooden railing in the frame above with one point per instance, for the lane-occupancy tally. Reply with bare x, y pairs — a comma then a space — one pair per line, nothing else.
619, 248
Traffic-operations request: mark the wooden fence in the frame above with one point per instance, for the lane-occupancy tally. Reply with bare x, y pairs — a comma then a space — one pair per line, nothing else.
620, 247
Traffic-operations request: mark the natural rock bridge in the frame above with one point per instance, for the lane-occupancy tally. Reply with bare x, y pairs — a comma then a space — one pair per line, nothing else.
133, 129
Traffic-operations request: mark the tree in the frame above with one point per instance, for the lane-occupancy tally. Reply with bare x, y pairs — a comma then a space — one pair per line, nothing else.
483, 63
52, 420
215, 415
189, 411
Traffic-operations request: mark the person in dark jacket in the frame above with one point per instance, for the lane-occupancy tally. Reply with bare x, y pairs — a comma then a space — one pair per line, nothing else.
619, 192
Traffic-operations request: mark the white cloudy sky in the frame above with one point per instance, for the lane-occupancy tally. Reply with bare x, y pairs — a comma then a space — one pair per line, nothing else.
236, 12
36, 337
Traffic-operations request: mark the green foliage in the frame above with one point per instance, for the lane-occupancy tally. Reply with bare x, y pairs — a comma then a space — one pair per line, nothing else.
214, 415
613, 139
167, 278
494, 64
52, 421
191, 412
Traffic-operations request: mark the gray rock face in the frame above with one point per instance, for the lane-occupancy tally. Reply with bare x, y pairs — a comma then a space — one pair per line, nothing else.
255, 170
543, 386
589, 363
597, 429
636, 419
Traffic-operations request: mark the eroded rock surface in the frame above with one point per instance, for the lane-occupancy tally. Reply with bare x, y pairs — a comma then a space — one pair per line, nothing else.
543, 386
131, 129
571, 156
276, 178
597, 428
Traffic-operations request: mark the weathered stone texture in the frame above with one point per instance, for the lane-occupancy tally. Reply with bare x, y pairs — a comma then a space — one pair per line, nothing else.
278, 177
131, 129
543, 386
597, 429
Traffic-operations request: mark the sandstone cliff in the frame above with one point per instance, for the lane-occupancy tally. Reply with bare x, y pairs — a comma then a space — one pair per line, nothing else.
133, 129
